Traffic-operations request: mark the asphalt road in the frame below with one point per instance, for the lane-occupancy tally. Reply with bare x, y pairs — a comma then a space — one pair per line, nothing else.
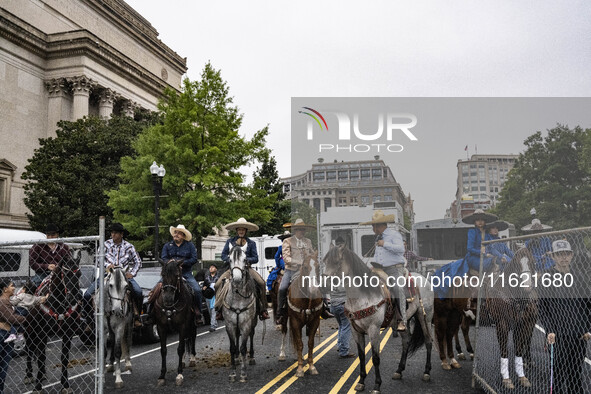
269, 375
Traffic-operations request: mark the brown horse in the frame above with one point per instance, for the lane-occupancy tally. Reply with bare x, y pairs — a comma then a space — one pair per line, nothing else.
273, 293
468, 317
514, 307
304, 301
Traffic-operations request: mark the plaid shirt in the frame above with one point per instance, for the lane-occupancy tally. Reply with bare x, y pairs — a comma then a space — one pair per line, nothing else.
122, 255
411, 257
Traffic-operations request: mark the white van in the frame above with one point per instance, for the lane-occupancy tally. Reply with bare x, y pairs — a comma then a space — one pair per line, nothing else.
14, 260
267, 246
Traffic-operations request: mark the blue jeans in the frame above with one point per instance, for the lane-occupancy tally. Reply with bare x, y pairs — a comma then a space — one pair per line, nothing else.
195, 286
282, 296
38, 278
344, 335
136, 291
5, 357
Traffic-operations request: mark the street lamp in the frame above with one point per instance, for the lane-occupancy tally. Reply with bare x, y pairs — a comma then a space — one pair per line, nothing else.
157, 175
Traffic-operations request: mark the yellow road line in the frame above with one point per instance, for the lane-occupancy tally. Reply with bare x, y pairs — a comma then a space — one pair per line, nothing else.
369, 364
288, 383
294, 365
347, 374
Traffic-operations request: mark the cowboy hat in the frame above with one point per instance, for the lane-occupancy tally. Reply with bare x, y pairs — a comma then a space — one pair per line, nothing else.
286, 234
208, 293
378, 217
299, 224
242, 223
499, 225
536, 225
479, 214
182, 229
118, 228
52, 229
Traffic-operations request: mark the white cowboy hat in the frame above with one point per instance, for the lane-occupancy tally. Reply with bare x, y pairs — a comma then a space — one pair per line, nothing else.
536, 225
299, 224
183, 230
479, 214
286, 234
378, 217
242, 223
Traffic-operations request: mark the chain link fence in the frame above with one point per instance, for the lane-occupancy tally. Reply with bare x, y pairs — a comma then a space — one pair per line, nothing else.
532, 287
50, 278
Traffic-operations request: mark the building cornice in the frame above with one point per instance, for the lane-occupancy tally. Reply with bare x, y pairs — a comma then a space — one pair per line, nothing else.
78, 43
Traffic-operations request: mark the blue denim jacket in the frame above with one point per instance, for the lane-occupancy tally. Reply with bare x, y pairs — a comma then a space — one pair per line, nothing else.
186, 251
251, 250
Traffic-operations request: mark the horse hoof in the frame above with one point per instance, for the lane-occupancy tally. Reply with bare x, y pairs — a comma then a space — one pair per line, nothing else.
193, 361
232, 378
252, 361
461, 356
160, 382
472, 356
243, 378
277, 327
179, 380
524, 381
128, 367
300, 374
397, 376
426, 377
313, 370
445, 366
508, 384
28, 380
455, 364
118, 385
359, 387
282, 358
66, 391
109, 368
375, 391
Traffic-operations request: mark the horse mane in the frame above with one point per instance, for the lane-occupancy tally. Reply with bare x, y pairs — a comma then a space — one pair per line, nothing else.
170, 270
356, 265
236, 253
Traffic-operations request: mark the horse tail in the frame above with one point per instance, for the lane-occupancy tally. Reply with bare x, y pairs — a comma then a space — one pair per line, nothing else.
417, 339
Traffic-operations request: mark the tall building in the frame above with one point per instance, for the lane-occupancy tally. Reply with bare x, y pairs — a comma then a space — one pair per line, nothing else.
62, 60
480, 180
347, 183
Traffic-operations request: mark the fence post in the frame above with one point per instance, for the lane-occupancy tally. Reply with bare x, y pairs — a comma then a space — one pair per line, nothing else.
477, 326
100, 315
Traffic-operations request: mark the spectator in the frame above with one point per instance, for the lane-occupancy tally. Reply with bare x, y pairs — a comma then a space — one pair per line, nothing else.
44, 257
209, 294
21, 302
337, 308
565, 313
7, 318
412, 258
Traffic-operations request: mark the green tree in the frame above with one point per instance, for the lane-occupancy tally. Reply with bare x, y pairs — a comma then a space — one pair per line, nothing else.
551, 176
69, 174
199, 145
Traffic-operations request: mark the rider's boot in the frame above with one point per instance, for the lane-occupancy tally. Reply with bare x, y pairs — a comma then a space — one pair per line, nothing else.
218, 315
325, 310
261, 307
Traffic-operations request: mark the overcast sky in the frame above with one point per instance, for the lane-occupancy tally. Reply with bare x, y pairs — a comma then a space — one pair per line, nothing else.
271, 51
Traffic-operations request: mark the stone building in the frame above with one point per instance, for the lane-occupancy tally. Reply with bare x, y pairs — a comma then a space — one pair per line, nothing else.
62, 60
347, 183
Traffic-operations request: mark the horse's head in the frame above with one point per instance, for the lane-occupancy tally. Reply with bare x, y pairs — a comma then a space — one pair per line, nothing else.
65, 287
310, 266
522, 266
171, 280
116, 286
333, 260
238, 263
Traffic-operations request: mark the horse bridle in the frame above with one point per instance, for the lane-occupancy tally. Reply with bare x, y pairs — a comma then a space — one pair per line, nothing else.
124, 300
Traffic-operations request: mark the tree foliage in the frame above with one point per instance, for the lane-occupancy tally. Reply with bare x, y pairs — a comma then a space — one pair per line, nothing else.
203, 154
69, 174
552, 175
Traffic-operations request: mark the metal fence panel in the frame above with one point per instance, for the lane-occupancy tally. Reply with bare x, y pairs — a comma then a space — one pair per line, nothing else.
72, 263
517, 310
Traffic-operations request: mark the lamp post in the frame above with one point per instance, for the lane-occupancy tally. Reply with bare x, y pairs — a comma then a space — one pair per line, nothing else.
157, 175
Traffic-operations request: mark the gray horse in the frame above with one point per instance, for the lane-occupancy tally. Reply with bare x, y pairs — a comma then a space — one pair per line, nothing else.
118, 322
239, 311
367, 308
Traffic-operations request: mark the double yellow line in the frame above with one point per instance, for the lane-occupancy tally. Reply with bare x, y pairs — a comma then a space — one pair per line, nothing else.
343, 378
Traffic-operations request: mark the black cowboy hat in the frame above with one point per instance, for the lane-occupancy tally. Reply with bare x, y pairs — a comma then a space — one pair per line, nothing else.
286, 234
118, 228
52, 229
479, 214
500, 225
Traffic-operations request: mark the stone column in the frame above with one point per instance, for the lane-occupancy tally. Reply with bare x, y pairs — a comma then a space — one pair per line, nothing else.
129, 107
81, 88
106, 99
58, 90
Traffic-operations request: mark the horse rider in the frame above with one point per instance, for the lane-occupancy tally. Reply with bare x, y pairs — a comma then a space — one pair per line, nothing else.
294, 249
279, 262
43, 258
250, 248
499, 250
470, 264
540, 247
389, 257
181, 247
120, 254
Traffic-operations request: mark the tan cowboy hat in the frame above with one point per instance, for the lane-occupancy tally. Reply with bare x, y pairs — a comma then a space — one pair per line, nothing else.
299, 224
287, 225
379, 217
536, 225
182, 229
479, 214
500, 225
242, 223
286, 234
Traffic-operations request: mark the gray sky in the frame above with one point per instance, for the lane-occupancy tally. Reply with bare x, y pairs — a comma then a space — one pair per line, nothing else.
270, 51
